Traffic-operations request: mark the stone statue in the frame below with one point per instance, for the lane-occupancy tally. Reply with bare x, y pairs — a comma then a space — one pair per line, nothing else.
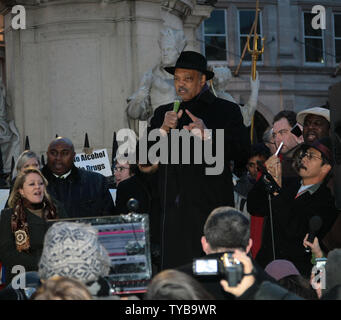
222, 75
9, 135
156, 87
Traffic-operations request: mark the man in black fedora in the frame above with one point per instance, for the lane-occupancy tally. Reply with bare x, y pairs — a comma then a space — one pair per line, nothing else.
188, 194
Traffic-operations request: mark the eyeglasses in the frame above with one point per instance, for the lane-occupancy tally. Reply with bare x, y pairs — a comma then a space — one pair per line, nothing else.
120, 169
310, 156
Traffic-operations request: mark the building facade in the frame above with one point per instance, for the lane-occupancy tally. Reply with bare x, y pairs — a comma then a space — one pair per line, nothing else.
299, 63
71, 70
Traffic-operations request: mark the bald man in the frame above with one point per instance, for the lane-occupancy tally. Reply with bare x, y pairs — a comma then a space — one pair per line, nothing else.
83, 193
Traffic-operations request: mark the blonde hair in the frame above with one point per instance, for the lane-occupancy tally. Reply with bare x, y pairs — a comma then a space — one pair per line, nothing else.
62, 288
19, 182
23, 158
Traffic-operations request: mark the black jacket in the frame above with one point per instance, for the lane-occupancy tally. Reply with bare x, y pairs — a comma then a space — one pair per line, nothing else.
143, 188
9, 255
291, 221
188, 194
212, 283
268, 290
83, 193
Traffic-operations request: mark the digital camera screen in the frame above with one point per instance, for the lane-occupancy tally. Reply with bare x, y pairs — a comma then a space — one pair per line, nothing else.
206, 266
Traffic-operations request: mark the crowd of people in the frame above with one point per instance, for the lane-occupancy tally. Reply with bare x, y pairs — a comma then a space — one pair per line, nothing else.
254, 233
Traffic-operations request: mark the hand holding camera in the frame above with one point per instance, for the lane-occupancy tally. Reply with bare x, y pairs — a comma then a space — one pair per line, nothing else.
247, 279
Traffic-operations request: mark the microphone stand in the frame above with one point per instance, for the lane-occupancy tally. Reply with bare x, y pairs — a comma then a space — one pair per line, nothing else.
271, 187
272, 228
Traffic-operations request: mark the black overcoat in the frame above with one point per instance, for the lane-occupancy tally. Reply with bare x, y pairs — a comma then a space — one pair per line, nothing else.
83, 193
188, 194
37, 227
291, 218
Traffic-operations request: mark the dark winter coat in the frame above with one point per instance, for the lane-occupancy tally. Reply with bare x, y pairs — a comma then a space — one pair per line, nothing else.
188, 195
212, 283
37, 227
291, 221
143, 188
83, 193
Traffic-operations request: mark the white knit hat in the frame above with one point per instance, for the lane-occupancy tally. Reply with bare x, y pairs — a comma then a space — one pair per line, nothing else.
72, 250
322, 112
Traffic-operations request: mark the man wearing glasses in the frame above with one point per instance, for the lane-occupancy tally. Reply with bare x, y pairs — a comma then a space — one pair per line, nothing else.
123, 171
294, 205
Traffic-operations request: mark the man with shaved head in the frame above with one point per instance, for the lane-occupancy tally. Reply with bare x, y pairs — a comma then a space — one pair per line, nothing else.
83, 193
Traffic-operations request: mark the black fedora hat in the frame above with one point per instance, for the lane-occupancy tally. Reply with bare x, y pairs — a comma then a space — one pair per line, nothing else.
191, 60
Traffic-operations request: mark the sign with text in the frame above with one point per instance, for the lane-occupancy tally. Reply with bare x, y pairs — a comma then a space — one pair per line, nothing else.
4, 194
96, 161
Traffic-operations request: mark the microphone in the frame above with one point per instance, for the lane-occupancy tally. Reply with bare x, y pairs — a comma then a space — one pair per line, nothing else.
132, 205
176, 104
271, 184
315, 224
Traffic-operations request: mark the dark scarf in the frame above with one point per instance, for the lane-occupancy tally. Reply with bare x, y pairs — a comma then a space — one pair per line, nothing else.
19, 223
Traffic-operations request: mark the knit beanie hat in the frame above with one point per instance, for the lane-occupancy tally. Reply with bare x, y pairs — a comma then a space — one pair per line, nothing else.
72, 250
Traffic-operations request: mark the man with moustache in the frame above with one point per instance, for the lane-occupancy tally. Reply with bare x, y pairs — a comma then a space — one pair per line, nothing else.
292, 208
83, 193
316, 124
188, 194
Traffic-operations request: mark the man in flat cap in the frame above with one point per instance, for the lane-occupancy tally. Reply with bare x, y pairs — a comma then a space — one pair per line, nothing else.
293, 207
188, 194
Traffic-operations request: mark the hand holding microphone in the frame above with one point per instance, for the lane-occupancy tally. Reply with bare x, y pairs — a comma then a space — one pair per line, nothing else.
171, 117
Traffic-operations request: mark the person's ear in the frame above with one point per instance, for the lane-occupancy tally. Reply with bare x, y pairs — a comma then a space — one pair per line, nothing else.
326, 168
203, 79
249, 246
204, 244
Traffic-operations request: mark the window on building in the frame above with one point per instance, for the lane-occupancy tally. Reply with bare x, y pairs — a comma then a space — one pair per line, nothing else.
215, 37
337, 35
313, 41
246, 19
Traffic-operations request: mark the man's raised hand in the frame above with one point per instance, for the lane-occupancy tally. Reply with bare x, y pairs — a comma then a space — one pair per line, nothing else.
197, 127
171, 120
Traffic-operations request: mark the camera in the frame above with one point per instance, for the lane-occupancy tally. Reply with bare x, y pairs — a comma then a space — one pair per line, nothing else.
225, 267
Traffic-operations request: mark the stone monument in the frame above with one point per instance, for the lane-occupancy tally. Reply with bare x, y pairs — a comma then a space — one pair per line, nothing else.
75, 64
9, 135
156, 87
220, 81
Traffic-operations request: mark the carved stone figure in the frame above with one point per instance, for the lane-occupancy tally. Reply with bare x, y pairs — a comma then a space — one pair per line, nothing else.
156, 87
222, 76
9, 135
